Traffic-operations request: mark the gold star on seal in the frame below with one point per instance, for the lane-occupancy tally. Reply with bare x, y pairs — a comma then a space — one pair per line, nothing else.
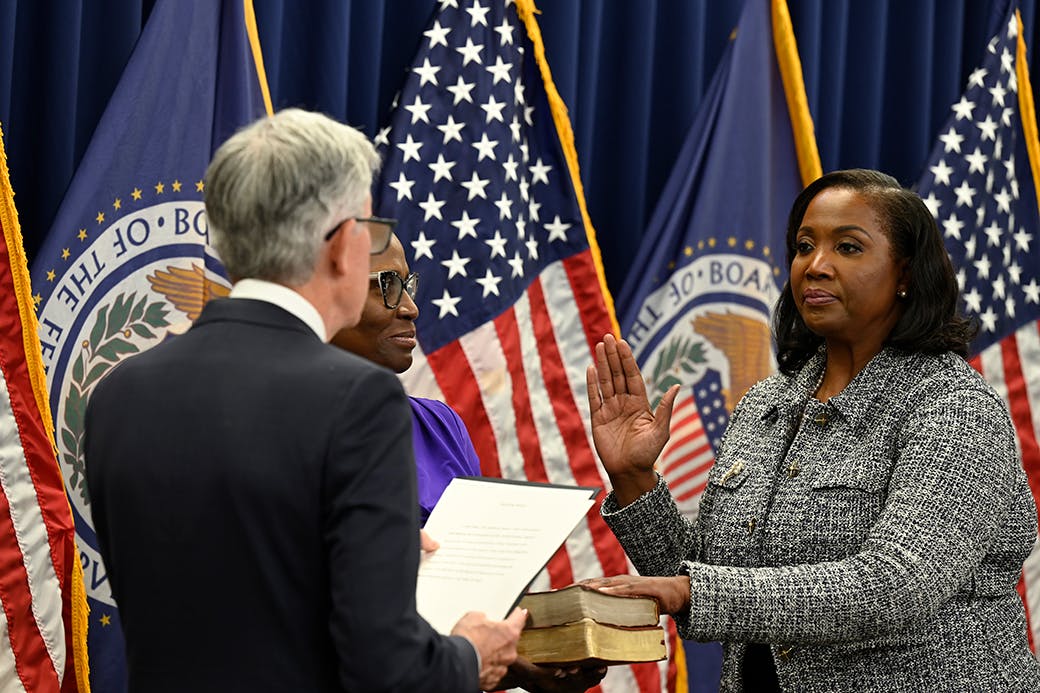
50, 275
106, 620
118, 204
100, 217
159, 188
200, 186
37, 300
65, 253
136, 194
176, 185
82, 235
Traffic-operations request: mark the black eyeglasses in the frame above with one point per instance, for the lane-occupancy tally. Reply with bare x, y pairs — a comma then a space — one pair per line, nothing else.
393, 287
379, 231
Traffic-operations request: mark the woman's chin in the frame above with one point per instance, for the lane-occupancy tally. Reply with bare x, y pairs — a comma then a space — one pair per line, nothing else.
398, 363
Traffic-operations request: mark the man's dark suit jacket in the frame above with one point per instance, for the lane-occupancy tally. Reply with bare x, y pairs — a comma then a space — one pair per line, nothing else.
253, 492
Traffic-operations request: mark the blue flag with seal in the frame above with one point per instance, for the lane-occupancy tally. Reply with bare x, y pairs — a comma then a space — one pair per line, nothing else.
127, 260
696, 308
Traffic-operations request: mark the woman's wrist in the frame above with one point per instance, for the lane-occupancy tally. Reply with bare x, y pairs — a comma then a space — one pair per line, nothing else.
630, 486
682, 593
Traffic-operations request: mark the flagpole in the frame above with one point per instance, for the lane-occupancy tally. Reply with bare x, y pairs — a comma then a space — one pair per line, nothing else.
794, 89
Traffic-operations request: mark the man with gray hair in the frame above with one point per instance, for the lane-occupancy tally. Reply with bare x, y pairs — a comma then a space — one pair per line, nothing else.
253, 488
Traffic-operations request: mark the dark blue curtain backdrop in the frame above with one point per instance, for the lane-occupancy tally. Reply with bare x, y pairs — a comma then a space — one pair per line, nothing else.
880, 77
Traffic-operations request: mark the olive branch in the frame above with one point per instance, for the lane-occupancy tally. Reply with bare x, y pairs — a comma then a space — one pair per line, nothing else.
679, 356
106, 345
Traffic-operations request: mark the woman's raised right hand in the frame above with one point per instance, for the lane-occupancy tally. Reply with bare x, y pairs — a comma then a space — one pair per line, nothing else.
628, 436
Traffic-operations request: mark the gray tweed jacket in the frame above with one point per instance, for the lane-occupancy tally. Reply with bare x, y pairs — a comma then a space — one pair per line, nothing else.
874, 541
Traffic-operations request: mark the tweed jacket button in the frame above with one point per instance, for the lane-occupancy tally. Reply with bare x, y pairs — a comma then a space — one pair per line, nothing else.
785, 653
751, 526
821, 419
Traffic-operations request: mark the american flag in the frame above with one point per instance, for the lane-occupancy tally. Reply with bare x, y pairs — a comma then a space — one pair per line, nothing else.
480, 169
699, 417
43, 623
980, 185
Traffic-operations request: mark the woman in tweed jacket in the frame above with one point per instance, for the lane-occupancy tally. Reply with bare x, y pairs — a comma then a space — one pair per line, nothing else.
866, 521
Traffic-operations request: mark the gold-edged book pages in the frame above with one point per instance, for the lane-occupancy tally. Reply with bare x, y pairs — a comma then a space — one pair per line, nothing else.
576, 602
590, 643
579, 625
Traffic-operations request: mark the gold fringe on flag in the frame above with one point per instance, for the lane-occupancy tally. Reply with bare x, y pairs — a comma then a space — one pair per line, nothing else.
34, 364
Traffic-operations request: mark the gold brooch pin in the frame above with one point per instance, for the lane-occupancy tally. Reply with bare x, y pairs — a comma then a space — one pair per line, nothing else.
734, 469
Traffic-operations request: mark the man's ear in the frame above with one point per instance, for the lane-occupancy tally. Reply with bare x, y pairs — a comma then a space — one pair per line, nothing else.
336, 248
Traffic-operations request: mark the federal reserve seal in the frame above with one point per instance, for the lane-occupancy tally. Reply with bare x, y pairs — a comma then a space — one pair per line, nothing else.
705, 328
139, 279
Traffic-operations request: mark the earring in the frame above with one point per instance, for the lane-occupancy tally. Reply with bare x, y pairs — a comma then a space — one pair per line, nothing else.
901, 293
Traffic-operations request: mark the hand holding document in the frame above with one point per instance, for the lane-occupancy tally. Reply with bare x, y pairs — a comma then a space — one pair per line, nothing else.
495, 535
427, 544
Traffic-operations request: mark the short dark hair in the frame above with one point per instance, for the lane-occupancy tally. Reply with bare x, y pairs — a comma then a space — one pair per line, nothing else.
930, 322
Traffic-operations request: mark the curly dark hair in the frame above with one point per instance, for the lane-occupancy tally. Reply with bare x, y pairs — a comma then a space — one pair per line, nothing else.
930, 322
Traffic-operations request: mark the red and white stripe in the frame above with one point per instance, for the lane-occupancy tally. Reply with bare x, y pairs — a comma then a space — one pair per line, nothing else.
688, 456
36, 529
518, 382
1012, 367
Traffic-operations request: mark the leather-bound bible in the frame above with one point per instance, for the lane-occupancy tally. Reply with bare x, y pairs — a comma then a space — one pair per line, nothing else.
580, 625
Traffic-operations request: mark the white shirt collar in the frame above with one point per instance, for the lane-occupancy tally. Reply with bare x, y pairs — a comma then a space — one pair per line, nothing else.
283, 297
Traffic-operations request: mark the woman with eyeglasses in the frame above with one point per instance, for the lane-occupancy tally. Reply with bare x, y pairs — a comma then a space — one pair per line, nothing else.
443, 449
386, 335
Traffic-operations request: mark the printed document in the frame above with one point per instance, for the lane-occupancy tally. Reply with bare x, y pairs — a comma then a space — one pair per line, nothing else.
495, 535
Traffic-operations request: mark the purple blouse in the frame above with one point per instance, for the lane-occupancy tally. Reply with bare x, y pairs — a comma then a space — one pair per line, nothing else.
443, 451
